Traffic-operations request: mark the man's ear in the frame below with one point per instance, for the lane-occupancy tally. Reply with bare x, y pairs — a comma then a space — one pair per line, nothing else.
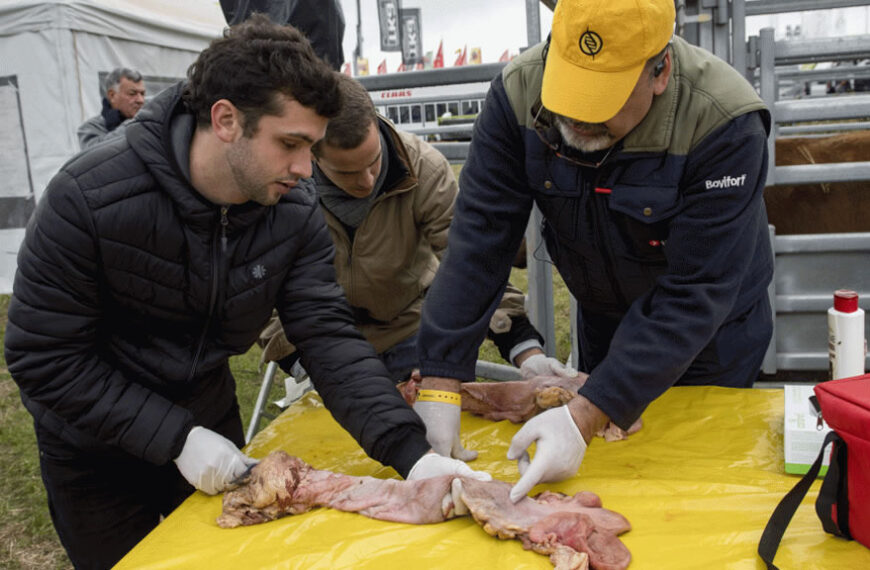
660, 81
226, 121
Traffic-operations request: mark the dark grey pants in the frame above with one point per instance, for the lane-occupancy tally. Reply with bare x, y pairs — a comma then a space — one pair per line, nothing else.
103, 504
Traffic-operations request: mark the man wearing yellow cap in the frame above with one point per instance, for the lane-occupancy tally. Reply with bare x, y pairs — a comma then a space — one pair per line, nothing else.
647, 157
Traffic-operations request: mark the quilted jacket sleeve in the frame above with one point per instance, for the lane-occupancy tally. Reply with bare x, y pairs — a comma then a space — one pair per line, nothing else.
53, 344
344, 368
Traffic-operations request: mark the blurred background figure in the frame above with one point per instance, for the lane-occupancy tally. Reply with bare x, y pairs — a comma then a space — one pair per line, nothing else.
322, 21
125, 95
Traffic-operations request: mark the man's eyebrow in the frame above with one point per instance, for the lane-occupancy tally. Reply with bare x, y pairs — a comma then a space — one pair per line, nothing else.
302, 136
377, 158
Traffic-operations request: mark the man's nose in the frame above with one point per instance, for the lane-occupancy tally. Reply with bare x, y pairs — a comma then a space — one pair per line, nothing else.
366, 180
301, 167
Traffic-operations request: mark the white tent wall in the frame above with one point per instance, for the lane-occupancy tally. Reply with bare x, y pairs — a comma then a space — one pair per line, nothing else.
52, 55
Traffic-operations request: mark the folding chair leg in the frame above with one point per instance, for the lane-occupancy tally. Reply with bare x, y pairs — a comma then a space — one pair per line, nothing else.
260, 406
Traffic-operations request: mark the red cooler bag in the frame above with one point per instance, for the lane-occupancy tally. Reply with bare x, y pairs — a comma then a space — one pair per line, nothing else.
843, 504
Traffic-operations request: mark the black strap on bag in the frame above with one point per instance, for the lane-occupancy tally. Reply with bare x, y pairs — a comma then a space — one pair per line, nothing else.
832, 504
833, 493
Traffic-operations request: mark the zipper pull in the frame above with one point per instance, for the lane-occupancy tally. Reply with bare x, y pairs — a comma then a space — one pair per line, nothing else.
224, 223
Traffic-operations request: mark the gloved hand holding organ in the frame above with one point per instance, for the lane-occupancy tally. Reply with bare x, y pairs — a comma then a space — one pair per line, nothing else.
210, 462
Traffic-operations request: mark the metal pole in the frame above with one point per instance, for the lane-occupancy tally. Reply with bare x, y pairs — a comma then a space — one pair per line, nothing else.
540, 298
357, 52
767, 84
575, 334
768, 365
262, 396
539, 303
738, 36
533, 22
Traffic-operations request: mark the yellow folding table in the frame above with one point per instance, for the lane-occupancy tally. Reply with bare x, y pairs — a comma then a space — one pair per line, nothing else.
697, 483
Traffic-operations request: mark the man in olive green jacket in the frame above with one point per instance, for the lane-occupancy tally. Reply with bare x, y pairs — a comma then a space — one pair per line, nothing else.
388, 199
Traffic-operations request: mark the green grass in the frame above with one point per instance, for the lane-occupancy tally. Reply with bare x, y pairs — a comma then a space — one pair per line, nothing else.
27, 537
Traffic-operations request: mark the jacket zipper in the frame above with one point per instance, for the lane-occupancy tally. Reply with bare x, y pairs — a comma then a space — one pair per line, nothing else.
217, 260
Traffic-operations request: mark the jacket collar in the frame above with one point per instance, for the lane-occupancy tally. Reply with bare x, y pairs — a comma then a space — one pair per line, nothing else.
399, 161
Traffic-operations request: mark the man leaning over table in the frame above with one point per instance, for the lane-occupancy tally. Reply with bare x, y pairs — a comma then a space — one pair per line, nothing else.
647, 157
153, 258
388, 200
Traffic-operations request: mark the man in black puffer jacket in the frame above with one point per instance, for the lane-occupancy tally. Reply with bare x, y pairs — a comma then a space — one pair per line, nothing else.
152, 259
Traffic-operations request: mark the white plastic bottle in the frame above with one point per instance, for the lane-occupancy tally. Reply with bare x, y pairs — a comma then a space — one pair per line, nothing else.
846, 343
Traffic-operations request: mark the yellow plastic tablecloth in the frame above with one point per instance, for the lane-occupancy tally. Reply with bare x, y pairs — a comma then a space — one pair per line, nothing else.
697, 483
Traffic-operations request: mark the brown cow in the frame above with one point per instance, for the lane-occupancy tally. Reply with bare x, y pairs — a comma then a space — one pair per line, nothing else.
821, 208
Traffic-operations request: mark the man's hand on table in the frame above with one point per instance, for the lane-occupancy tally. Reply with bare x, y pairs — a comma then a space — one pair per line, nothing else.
439, 405
561, 436
210, 462
533, 362
434, 465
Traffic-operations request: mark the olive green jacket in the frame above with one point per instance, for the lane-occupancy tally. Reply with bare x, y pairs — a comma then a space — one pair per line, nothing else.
389, 264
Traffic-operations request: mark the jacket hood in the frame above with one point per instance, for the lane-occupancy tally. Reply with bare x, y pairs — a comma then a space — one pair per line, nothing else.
150, 137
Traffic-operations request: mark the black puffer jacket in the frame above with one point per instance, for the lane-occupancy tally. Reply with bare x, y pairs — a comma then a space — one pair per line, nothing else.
133, 291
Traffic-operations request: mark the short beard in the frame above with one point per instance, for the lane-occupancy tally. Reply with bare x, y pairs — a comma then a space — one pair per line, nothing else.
599, 141
240, 160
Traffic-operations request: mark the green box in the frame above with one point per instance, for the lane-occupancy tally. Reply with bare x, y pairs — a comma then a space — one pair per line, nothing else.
804, 431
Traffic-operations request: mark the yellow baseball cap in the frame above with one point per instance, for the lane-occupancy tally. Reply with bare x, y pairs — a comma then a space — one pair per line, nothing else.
598, 49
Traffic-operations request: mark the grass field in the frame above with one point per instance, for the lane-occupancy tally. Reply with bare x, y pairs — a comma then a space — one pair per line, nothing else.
27, 537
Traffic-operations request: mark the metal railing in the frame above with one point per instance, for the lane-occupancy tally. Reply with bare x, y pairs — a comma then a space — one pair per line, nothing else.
856, 107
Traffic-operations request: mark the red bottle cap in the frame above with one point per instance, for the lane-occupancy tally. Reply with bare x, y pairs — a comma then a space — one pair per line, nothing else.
845, 301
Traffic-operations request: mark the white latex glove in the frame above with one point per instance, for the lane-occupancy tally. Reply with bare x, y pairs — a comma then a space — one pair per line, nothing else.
543, 365
298, 372
559, 450
210, 462
434, 465
442, 429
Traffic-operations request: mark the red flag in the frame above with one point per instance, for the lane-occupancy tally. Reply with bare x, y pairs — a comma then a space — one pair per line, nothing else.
382, 67
439, 57
346, 69
401, 67
505, 56
419, 67
461, 59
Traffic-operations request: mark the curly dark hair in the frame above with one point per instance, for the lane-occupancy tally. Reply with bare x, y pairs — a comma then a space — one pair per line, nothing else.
251, 65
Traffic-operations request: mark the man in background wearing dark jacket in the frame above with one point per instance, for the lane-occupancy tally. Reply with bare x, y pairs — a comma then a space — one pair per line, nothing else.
152, 259
125, 95
322, 21
647, 158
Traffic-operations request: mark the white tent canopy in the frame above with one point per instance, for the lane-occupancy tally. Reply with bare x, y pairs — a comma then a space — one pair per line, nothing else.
53, 57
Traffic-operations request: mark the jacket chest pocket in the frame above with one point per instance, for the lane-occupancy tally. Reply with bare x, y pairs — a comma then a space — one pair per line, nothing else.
641, 217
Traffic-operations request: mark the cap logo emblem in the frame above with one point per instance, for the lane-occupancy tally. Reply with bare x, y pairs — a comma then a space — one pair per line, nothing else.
258, 271
590, 43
